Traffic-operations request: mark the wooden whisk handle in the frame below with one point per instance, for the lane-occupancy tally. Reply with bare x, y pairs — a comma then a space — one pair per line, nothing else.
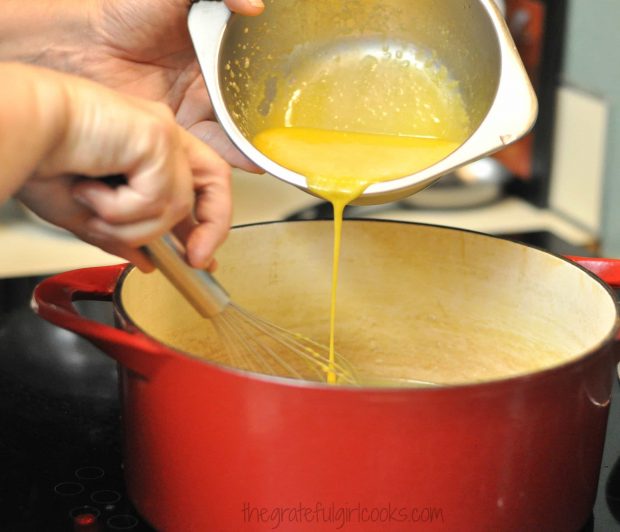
199, 287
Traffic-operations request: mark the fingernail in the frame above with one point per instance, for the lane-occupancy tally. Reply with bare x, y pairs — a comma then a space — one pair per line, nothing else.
199, 260
256, 3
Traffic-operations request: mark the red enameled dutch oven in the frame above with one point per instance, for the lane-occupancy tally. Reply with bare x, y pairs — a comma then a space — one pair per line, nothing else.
519, 340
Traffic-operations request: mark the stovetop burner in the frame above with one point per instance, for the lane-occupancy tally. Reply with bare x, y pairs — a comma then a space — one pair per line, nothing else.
61, 464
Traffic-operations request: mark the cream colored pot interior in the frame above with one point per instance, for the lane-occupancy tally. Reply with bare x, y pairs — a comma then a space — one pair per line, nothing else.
414, 302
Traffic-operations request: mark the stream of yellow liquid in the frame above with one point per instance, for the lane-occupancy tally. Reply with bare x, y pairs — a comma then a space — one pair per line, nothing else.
340, 165
358, 119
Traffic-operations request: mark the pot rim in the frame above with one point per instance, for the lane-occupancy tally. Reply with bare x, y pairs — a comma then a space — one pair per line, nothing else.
571, 365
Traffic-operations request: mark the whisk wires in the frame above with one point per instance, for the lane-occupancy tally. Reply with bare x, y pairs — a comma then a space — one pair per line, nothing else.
255, 344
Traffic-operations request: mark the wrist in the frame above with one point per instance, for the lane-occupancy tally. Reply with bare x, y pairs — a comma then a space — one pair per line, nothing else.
51, 34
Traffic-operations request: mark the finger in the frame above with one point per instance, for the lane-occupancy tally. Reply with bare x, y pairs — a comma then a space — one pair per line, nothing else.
134, 234
136, 201
204, 172
159, 178
120, 205
196, 115
213, 212
212, 209
159, 154
212, 134
205, 161
199, 168
114, 247
183, 230
213, 266
246, 7
74, 217
196, 105
63, 212
201, 245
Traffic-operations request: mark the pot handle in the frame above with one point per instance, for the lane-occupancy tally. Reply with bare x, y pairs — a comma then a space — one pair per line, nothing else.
53, 300
608, 270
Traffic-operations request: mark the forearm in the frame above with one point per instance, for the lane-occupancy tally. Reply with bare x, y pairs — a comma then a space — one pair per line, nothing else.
49, 33
33, 114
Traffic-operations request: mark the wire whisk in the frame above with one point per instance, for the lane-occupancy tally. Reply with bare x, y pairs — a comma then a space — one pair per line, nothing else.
248, 342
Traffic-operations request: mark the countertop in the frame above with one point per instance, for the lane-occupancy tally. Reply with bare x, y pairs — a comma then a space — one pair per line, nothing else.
32, 247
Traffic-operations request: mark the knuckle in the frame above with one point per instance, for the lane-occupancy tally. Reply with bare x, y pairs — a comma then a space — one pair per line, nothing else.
136, 242
154, 206
163, 111
181, 206
108, 213
134, 235
226, 170
222, 170
161, 133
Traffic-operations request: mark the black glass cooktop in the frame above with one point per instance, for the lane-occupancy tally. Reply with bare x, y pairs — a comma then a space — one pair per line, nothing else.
60, 457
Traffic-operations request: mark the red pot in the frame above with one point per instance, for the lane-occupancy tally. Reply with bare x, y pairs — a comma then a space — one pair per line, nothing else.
513, 441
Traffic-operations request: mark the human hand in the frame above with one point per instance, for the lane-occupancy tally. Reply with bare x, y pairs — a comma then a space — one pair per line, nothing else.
93, 131
142, 47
